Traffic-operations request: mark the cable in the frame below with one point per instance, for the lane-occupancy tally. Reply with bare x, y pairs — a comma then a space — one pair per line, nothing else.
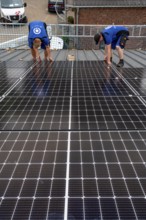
57, 11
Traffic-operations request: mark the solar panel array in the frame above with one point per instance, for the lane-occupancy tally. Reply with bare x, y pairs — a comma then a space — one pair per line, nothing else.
72, 142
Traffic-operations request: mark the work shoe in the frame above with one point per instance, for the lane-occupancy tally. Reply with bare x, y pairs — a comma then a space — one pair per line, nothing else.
121, 63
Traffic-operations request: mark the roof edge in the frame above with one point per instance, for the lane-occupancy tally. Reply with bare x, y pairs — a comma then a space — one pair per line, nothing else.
128, 6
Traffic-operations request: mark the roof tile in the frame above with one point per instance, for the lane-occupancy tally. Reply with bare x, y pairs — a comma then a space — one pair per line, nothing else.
107, 3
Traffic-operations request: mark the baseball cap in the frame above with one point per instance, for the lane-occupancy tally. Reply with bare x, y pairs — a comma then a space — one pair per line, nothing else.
96, 38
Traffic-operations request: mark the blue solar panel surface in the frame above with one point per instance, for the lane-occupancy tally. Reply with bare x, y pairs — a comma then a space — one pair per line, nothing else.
72, 141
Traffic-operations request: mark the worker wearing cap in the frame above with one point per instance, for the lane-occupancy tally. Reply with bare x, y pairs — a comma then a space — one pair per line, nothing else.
114, 37
38, 37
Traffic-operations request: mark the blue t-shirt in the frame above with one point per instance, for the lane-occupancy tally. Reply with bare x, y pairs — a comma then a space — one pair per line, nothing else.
110, 33
37, 29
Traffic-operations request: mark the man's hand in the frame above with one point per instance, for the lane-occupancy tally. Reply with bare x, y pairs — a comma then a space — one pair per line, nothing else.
105, 58
106, 61
49, 59
37, 59
109, 63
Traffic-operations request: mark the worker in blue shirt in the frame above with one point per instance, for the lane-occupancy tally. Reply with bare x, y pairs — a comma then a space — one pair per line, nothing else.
38, 37
114, 37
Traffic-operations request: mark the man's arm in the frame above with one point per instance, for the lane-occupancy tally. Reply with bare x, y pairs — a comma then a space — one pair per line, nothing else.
108, 53
35, 54
48, 54
105, 53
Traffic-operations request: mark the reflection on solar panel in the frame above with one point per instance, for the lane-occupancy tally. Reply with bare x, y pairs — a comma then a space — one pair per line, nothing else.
72, 142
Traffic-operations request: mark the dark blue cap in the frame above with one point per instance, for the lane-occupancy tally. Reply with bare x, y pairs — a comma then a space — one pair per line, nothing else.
96, 38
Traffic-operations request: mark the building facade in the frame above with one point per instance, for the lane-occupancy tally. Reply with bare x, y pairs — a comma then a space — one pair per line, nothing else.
130, 12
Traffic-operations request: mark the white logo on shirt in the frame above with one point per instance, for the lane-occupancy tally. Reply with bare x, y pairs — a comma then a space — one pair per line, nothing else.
36, 30
108, 27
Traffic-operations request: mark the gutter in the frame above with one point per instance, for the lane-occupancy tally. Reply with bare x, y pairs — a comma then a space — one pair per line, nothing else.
103, 6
